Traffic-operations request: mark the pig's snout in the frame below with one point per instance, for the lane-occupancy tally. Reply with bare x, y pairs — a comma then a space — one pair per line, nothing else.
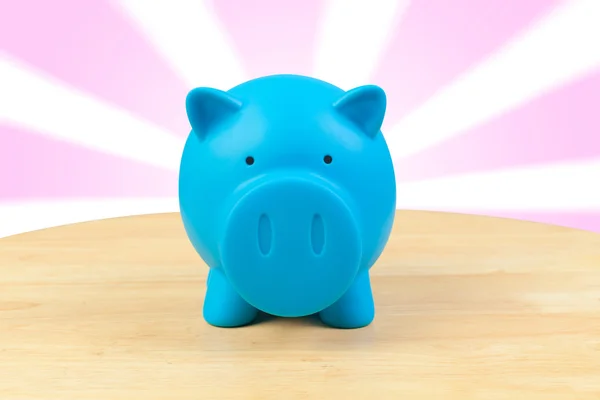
291, 245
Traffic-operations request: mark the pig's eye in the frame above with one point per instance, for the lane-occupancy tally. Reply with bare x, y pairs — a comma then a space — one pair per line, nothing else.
249, 160
327, 159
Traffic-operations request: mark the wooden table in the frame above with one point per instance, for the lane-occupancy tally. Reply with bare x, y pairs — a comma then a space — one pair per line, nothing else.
467, 308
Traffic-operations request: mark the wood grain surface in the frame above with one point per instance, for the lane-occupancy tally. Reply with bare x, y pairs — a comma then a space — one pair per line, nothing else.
468, 307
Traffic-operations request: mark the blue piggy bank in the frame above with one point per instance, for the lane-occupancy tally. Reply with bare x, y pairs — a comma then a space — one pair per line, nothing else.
287, 192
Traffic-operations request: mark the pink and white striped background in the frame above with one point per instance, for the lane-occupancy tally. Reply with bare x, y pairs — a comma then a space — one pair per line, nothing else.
494, 106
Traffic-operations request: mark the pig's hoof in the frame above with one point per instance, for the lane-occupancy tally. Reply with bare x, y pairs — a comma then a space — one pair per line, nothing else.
223, 307
355, 309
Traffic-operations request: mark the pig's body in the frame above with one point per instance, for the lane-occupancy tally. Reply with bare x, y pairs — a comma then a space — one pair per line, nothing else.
287, 192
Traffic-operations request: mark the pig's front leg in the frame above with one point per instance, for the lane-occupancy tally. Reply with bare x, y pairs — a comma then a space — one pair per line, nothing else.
223, 307
355, 309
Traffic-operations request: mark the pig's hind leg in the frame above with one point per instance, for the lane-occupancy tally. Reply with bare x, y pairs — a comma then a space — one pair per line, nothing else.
223, 307
355, 309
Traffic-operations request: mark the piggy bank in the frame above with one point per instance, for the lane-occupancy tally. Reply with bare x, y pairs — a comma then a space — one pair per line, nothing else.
287, 192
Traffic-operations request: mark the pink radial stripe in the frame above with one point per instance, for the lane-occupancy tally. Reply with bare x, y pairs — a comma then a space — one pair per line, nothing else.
90, 45
34, 166
272, 36
438, 40
589, 221
562, 126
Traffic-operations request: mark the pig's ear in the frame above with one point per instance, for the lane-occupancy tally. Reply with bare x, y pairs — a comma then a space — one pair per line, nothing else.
206, 107
365, 107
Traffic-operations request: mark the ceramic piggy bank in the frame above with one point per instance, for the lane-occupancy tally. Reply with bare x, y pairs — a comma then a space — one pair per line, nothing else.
287, 192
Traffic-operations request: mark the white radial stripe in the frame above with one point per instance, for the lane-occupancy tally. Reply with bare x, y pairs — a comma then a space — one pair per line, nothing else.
352, 36
190, 36
30, 216
559, 48
555, 187
33, 101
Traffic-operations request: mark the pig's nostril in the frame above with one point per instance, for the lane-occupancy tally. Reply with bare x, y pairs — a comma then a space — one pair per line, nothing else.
317, 234
265, 234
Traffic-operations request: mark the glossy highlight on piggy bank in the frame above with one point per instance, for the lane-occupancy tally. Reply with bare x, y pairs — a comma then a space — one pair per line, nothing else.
287, 192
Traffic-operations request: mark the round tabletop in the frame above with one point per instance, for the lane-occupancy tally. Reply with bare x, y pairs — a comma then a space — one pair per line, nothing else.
468, 307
